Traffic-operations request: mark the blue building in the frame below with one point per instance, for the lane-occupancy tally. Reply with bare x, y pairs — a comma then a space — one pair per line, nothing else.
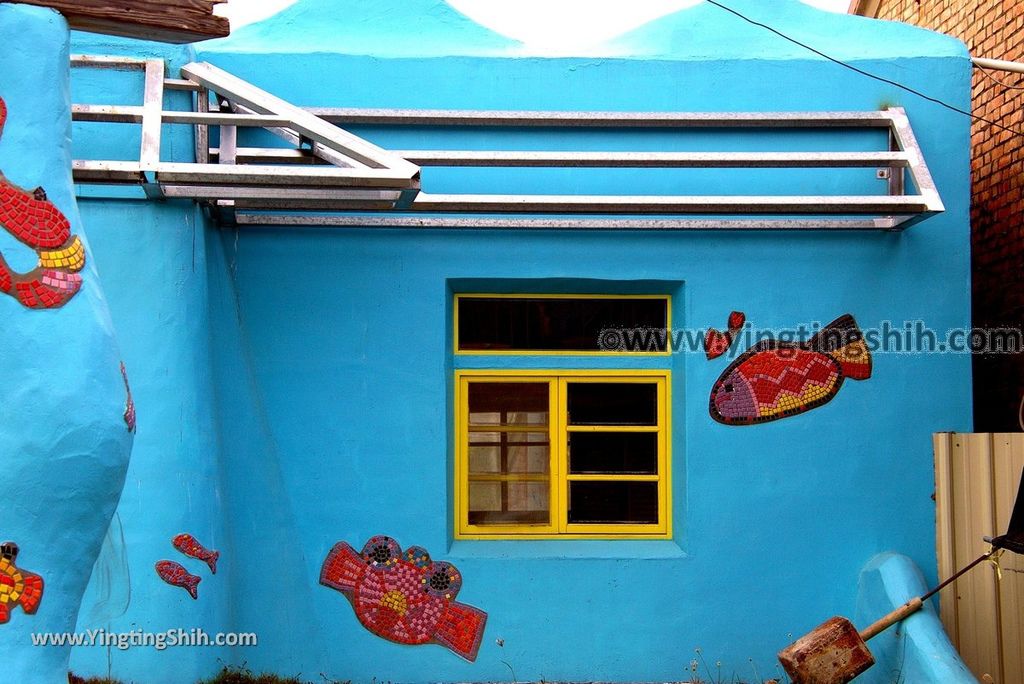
481, 374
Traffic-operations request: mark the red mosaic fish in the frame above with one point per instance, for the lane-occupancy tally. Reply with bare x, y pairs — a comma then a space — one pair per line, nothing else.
775, 380
405, 597
189, 546
176, 575
17, 587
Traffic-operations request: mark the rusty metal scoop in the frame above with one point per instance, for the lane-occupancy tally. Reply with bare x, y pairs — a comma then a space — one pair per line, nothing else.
835, 652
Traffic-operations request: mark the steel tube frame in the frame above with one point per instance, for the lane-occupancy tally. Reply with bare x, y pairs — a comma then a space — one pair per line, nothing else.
330, 169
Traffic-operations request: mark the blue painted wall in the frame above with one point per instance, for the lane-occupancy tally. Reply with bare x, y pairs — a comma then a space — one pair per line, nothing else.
300, 379
64, 444
157, 252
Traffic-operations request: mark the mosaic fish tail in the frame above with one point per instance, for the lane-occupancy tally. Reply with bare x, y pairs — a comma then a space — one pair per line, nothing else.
212, 561
191, 585
32, 594
461, 629
843, 340
342, 568
5, 613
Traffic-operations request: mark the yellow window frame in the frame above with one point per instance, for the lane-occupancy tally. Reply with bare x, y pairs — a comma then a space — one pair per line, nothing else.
558, 434
558, 352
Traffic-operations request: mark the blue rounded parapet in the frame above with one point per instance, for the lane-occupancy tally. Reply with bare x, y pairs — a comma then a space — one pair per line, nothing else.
917, 649
393, 28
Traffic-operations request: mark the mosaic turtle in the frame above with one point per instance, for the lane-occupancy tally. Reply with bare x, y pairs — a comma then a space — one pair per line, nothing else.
405, 597
17, 588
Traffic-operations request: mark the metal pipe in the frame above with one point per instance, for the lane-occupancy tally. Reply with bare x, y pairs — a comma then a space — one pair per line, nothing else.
998, 64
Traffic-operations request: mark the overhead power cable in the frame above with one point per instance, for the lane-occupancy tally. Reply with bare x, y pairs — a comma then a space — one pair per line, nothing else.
862, 72
985, 72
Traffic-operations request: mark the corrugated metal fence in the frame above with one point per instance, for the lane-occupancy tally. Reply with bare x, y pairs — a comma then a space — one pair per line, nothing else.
976, 479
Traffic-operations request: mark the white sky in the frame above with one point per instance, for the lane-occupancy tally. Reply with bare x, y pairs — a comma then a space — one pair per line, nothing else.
535, 22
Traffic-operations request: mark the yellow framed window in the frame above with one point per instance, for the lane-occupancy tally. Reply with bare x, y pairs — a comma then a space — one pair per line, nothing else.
580, 453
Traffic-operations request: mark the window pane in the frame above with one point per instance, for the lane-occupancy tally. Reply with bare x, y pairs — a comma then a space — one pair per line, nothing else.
515, 453
554, 324
508, 403
613, 403
613, 502
613, 452
508, 503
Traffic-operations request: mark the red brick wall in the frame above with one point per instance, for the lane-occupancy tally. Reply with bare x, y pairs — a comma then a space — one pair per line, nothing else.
993, 29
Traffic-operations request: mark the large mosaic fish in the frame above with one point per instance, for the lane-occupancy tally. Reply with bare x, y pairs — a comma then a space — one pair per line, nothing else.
776, 379
405, 597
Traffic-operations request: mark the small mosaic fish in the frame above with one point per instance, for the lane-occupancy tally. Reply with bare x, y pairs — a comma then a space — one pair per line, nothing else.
176, 575
189, 546
775, 379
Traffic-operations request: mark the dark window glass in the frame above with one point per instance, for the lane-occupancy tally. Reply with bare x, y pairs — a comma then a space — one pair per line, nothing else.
508, 403
613, 452
613, 502
613, 403
555, 324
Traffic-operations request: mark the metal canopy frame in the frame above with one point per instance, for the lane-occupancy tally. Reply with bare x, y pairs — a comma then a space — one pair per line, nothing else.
331, 177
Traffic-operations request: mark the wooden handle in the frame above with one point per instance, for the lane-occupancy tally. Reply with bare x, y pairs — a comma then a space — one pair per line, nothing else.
884, 623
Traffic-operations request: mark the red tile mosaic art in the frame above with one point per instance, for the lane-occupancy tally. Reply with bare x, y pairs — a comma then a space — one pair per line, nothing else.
17, 587
191, 547
717, 343
31, 218
775, 380
176, 575
405, 597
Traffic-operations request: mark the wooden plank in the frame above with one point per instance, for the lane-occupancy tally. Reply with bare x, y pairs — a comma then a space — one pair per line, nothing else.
168, 21
944, 529
1009, 461
976, 592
